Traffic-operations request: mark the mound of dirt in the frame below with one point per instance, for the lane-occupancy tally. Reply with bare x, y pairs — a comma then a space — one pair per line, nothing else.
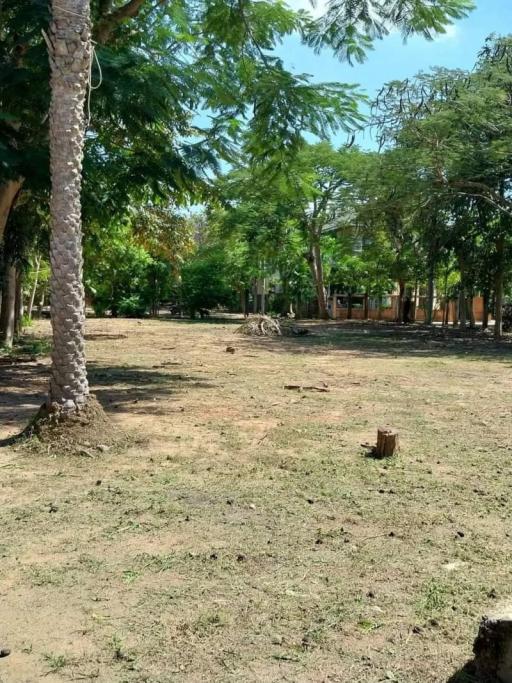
87, 432
265, 326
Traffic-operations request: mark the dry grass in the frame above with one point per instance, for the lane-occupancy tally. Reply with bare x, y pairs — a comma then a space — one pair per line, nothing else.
244, 536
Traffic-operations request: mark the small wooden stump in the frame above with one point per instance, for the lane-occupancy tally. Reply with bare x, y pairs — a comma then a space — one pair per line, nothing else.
493, 646
387, 443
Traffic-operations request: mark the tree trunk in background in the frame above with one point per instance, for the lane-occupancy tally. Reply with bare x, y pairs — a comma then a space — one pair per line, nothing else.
446, 312
462, 309
8, 195
429, 309
70, 58
317, 272
349, 306
18, 305
401, 294
40, 306
365, 309
485, 319
471, 306
462, 295
286, 302
246, 302
7, 314
498, 287
34, 288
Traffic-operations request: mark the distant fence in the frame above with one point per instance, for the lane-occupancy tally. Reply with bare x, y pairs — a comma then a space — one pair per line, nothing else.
338, 308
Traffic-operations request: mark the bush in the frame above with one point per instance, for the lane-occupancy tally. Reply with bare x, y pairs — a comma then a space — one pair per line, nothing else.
124, 279
132, 307
206, 281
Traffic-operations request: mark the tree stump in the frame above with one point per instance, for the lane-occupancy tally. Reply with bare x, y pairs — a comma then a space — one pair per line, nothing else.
387, 442
493, 646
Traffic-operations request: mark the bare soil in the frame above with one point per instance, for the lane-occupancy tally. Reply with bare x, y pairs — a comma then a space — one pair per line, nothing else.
243, 534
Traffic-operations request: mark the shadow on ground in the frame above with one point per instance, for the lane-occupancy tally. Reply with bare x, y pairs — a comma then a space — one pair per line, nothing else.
465, 675
130, 388
394, 341
119, 389
23, 390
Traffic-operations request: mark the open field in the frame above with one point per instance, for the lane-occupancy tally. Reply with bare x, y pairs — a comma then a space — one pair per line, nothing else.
243, 535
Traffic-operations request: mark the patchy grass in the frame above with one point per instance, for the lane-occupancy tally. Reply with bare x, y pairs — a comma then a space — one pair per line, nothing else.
55, 662
243, 535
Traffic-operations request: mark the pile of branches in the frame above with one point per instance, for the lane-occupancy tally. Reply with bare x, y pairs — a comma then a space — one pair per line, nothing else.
265, 326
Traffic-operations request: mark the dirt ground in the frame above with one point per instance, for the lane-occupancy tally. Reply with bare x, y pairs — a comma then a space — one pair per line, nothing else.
242, 535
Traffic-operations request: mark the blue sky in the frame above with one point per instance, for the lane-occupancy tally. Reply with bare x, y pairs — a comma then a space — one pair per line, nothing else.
392, 59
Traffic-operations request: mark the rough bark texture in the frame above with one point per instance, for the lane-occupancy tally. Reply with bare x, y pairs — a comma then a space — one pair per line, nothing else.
70, 37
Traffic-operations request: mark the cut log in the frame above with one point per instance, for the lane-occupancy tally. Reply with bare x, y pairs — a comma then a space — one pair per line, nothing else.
493, 646
387, 442
303, 387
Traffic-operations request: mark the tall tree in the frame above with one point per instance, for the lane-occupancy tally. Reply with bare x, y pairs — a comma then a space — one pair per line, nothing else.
70, 58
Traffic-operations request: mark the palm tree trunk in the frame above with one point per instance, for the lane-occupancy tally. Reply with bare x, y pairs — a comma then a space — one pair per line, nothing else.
70, 56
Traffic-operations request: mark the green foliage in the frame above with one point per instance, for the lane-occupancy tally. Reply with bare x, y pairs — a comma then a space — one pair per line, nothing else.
207, 280
123, 278
351, 26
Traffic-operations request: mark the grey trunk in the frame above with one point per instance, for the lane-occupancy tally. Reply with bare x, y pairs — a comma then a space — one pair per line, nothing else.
34, 288
8, 312
18, 304
429, 313
471, 306
401, 295
463, 319
70, 56
317, 273
498, 287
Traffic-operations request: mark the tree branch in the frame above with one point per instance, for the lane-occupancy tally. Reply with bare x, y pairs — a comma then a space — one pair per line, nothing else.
108, 23
482, 191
